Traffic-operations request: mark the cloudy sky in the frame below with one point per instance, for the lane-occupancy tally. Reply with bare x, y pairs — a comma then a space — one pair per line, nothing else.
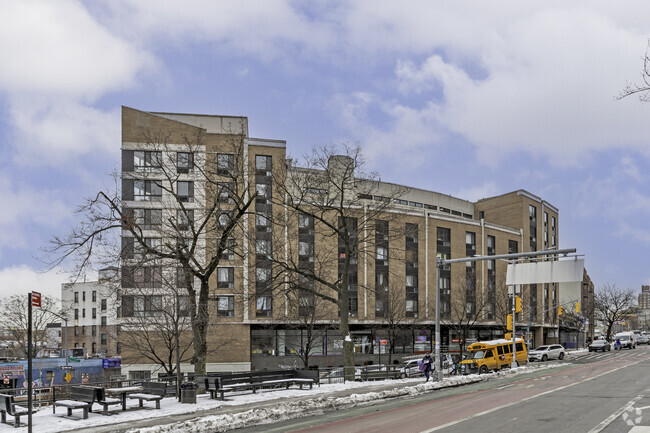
468, 98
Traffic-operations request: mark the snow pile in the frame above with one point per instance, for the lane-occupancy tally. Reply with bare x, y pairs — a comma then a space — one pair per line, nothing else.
318, 405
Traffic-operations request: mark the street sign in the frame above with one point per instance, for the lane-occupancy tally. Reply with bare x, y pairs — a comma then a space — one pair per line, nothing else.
66, 367
36, 299
68, 377
6, 380
73, 359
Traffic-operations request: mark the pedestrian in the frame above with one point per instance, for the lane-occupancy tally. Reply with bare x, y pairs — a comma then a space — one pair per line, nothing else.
427, 363
617, 345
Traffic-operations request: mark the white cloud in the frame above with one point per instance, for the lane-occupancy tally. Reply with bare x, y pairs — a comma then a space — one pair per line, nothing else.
27, 208
57, 61
19, 280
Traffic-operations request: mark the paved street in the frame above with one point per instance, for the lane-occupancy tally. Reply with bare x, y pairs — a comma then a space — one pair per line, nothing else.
591, 392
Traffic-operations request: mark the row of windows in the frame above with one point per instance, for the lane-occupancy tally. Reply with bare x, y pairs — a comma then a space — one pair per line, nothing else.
93, 328
93, 312
414, 204
152, 161
83, 297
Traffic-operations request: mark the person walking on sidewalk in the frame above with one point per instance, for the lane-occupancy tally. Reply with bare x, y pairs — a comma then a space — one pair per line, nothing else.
427, 363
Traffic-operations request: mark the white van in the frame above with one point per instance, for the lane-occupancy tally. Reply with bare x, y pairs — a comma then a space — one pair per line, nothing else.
628, 339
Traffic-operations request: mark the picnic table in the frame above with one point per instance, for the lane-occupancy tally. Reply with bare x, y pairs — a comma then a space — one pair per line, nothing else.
122, 393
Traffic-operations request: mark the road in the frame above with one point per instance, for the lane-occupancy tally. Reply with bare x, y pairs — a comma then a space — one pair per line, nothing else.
591, 392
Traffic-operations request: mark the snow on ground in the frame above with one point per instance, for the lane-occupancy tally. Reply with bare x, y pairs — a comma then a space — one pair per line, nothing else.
314, 401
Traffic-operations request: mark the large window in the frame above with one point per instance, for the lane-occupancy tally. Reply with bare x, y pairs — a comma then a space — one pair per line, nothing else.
263, 165
532, 211
263, 306
147, 160
147, 190
140, 306
185, 162
145, 276
184, 219
225, 164
225, 278
225, 192
225, 306
185, 191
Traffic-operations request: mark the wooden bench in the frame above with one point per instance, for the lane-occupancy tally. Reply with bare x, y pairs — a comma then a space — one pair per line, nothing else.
380, 374
9, 407
80, 398
151, 391
219, 385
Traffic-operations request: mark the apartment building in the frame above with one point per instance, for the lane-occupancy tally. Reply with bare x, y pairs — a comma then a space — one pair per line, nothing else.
180, 170
91, 312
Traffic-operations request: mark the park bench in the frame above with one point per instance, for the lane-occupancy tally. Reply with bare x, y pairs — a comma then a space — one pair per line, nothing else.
81, 397
217, 386
151, 391
9, 407
373, 374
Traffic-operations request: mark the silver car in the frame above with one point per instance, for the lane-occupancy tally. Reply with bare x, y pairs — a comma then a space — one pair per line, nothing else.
544, 353
597, 345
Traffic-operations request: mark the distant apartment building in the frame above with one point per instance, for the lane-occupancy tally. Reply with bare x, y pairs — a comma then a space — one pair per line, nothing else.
256, 326
91, 313
644, 298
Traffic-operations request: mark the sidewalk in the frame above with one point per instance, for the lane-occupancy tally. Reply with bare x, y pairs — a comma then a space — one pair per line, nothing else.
240, 415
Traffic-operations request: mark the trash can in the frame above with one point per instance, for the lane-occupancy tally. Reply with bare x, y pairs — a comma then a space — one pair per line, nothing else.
188, 392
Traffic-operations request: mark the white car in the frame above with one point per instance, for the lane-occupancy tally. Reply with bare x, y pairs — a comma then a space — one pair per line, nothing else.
544, 353
410, 368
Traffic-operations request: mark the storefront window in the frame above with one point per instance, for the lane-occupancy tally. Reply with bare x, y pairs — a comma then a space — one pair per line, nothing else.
263, 342
422, 341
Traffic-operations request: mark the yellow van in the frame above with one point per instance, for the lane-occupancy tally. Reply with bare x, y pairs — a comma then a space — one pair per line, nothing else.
493, 355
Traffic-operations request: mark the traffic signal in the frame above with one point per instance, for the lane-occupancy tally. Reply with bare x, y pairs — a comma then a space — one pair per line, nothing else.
517, 304
559, 310
509, 322
577, 307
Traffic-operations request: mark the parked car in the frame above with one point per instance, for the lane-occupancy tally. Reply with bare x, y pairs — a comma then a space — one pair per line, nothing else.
642, 339
544, 353
597, 345
410, 368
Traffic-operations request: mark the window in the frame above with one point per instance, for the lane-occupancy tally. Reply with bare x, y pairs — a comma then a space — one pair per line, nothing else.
118, 348
76, 297
225, 164
263, 247
83, 330
229, 250
305, 221
262, 222
140, 306
263, 165
148, 219
225, 278
83, 296
263, 306
94, 296
470, 242
491, 245
104, 339
94, 348
184, 162
103, 304
76, 330
94, 315
83, 313
94, 330
147, 160
184, 219
305, 249
185, 191
103, 321
225, 306
262, 275
263, 192
76, 314
225, 192
382, 253
147, 190
143, 276
513, 247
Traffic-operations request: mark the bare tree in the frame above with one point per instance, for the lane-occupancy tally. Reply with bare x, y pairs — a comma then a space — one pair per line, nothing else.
310, 320
643, 89
204, 197
614, 304
466, 308
396, 322
14, 319
331, 193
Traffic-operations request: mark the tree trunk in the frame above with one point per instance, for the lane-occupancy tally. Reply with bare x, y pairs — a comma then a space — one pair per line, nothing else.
200, 330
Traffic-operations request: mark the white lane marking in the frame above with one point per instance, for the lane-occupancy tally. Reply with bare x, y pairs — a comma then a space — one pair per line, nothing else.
494, 409
610, 419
